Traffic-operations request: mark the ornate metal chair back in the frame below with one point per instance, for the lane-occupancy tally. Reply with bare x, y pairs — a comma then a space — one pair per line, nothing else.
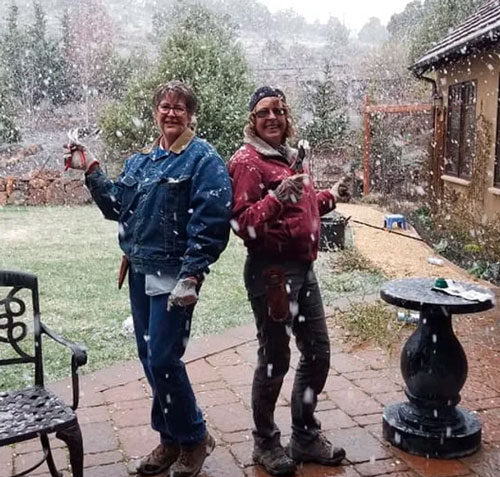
20, 322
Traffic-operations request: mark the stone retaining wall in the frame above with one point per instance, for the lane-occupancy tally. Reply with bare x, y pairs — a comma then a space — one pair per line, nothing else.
43, 188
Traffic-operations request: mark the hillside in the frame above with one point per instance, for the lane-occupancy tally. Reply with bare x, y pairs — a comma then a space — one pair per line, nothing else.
132, 21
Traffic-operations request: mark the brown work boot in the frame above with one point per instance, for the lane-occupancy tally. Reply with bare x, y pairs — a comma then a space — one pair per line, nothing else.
159, 460
192, 457
320, 451
274, 460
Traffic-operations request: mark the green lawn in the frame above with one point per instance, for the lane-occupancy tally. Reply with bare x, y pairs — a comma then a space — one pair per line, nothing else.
74, 252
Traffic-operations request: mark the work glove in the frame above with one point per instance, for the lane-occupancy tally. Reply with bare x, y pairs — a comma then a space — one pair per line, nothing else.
290, 190
184, 292
77, 156
341, 190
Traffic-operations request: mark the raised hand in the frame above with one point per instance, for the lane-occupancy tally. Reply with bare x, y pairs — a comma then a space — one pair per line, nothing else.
77, 155
341, 190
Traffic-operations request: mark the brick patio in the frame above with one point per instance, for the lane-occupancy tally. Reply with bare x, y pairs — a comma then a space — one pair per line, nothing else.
114, 410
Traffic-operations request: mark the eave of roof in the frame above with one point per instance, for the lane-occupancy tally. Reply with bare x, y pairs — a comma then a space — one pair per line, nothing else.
478, 30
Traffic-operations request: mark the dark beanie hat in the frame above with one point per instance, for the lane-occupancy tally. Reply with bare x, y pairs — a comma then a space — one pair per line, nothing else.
265, 92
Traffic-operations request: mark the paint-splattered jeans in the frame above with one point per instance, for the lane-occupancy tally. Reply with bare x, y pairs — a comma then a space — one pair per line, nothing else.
162, 336
307, 323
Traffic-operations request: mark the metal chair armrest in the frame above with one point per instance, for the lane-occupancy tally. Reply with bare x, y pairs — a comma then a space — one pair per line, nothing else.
78, 358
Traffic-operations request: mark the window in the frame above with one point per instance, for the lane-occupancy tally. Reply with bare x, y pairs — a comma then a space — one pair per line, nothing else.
496, 177
461, 129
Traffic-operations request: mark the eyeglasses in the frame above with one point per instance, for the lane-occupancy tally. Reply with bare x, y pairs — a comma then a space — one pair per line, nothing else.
177, 110
265, 113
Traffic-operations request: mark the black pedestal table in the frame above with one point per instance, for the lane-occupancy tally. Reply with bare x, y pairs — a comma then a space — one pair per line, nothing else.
434, 368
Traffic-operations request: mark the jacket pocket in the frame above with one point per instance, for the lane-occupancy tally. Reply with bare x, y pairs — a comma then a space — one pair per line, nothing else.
278, 306
176, 194
129, 194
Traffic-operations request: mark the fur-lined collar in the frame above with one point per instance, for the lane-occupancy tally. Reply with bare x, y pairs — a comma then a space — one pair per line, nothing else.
286, 152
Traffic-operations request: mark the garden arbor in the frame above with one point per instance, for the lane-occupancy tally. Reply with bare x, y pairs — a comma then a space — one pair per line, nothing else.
370, 110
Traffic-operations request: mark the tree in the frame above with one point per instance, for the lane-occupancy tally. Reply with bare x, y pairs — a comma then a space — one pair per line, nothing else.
248, 14
201, 51
11, 51
337, 34
32, 68
9, 132
439, 18
288, 21
404, 26
95, 69
45, 62
373, 32
328, 107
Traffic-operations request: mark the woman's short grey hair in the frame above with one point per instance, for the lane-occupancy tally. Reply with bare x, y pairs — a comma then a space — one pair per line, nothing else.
178, 88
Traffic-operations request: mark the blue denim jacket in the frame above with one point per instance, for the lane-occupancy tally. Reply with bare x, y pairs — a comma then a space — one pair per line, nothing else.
173, 207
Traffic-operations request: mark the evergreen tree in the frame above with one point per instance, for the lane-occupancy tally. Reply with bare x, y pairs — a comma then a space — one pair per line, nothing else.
200, 51
337, 34
9, 132
405, 25
328, 106
32, 67
439, 18
11, 51
94, 68
373, 32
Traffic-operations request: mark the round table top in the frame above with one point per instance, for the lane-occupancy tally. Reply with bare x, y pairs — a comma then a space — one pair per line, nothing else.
417, 293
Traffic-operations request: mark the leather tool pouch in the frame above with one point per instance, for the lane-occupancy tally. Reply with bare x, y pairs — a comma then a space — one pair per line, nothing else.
278, 305
123, 272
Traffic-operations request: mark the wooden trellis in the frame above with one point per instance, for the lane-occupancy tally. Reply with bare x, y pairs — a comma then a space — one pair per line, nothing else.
368, 111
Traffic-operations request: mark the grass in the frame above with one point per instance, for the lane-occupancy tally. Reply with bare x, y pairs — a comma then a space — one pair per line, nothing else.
346, 273
354, 275
374, 322
74, 252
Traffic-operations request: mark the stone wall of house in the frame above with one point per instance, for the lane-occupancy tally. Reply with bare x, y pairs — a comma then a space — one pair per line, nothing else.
43, 188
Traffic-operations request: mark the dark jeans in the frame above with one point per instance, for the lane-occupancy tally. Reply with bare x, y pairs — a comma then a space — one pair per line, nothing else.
162, 337
307, 323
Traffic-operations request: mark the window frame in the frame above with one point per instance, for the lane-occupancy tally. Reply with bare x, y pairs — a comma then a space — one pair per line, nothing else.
462, 158
496, 163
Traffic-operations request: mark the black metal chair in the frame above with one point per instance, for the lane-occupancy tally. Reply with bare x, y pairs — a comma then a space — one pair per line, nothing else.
35, 411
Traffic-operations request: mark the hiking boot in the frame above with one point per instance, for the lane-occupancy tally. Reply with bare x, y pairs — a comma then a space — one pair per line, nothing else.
159, 460
320, 451
192, 457
274, 460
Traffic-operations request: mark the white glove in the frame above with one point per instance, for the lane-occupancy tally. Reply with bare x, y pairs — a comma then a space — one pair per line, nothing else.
77, 155
184, 292
341, 190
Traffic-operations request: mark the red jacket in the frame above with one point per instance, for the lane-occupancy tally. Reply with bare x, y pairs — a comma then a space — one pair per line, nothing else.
267, 226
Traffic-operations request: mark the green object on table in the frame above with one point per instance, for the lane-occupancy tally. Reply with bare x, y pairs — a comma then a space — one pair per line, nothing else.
441, 283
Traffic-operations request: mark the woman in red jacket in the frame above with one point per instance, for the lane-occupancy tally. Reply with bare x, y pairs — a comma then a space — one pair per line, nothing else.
276, 211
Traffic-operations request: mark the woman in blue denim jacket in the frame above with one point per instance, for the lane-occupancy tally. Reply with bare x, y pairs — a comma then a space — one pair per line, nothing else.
173, 206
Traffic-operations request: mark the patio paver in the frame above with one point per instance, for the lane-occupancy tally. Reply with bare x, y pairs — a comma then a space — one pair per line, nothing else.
114, 414
115, 403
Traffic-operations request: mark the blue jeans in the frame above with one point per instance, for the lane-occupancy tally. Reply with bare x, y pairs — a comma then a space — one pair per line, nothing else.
162, 336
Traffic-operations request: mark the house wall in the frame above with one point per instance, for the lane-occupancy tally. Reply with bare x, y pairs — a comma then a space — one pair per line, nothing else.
484, 68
